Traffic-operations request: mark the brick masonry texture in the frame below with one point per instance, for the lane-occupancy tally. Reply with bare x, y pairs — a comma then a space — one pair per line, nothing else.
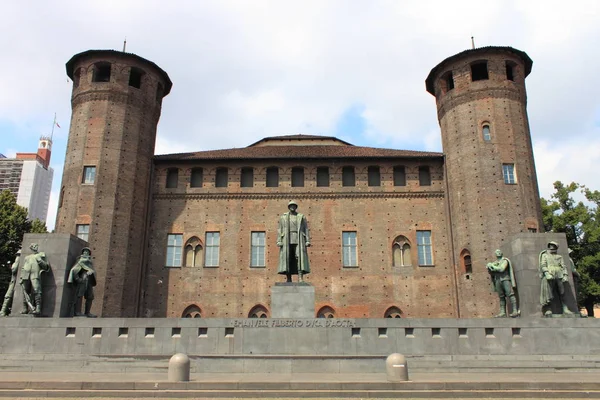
468, 208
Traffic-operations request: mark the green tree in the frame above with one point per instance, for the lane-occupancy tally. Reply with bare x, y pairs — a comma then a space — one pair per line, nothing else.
581, 224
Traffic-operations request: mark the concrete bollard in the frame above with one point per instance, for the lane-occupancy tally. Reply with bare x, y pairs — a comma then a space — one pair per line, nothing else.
179, 368
396, 368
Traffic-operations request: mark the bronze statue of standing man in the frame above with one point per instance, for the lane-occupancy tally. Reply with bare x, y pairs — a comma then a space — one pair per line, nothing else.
31, 280
8, 297
293, 239
503, 280
83, 277
554, 274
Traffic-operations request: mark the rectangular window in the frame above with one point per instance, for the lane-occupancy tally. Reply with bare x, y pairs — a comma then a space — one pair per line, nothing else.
374, 176
83, 232
479, 71
174, 245
349, 257
322, 176
257, 249
89, 175
172, 178
424, 176
508, 171
348, 178
399, 176
212, 249
272, 177
221, 177
247, 177
196, 178
298, 177
424, 247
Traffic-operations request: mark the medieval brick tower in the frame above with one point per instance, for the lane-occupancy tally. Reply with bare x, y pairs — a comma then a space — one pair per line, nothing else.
490, 173
116, 103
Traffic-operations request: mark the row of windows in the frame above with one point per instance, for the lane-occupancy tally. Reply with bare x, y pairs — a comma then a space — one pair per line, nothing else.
101, 72
260, 311
272, 177
479, 72
194, 253
322, 179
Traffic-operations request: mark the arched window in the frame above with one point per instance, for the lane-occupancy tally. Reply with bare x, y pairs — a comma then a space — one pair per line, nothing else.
193, 252
465, 259
401, 252
192, 311
486, 132
258, 311
393, 312
101, 72
196, 178
326, 312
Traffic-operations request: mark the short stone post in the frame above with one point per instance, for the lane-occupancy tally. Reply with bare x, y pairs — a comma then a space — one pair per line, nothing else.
396, 368
179, 368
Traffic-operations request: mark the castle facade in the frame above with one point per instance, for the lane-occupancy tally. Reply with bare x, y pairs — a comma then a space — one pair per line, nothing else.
394, 233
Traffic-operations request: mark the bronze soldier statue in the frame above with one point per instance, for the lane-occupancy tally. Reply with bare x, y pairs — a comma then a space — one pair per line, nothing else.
503, 281
8, 297
83, 277
293, 239
31, 280
554, 274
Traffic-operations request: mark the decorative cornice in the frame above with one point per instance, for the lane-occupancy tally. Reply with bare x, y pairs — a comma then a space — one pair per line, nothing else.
452, 101
261, 196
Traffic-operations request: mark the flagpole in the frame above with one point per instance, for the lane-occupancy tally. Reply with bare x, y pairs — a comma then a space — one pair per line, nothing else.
54, 123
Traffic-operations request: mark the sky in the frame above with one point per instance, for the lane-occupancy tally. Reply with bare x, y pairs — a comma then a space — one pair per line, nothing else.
244, 70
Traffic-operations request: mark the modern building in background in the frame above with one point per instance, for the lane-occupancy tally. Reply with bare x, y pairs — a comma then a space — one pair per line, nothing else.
29, 177
395, 233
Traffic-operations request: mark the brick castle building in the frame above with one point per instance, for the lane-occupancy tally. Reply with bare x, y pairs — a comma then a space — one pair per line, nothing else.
394, 233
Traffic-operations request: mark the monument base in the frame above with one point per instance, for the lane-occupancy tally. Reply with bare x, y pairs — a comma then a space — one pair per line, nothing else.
62, 250
292, 300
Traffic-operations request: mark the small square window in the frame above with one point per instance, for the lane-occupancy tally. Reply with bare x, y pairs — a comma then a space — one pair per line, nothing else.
83, 232
508, 172
89, 175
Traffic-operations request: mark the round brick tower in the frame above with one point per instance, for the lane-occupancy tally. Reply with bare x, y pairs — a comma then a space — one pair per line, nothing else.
116, 104
491, 181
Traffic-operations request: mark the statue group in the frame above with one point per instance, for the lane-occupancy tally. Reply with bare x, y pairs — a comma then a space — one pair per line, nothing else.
293, 240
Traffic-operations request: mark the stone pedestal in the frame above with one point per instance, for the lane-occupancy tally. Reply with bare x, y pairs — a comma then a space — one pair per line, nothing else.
61, 251
292, 300
524, 250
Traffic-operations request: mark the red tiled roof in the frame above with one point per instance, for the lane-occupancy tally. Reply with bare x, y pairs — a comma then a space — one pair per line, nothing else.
301, 137
295, 152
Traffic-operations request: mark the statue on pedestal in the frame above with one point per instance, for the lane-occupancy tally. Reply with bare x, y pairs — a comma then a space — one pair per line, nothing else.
553, 273
31, 280
83, 277
503, 281
293, 239
8, 297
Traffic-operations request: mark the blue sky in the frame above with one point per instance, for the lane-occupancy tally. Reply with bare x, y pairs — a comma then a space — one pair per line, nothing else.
353, 69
